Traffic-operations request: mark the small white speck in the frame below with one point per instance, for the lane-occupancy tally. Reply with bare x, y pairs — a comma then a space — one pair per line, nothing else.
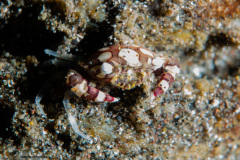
238, 110
193, 112
44, 132
215, 102
98, 147
178, 18
198, 71
116, 153
187, 92
129, 72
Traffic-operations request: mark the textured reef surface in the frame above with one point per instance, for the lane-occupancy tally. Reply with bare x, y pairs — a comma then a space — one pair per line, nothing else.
197, 118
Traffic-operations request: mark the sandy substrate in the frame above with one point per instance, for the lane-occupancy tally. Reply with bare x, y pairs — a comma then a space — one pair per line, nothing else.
198, 118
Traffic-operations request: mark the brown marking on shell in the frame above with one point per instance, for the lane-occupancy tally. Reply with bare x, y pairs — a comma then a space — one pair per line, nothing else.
143, 58
93, 61
108, 77
168, 77
119, 74
115, 51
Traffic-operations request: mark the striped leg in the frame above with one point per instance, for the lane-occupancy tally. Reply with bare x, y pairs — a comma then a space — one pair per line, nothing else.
168, 77
81, 88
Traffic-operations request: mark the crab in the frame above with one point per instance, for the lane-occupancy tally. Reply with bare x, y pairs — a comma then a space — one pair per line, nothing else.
120, 65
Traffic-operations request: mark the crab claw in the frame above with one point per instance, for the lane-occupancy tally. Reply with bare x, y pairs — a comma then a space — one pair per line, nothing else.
163, 86
158, 91
81, 88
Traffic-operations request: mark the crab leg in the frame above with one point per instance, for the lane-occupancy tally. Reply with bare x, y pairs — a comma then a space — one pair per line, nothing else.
68, 57
171, 68
43, 91
81, 88
71, 117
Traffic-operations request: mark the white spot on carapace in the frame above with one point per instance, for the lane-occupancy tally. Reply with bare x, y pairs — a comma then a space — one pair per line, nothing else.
100, 97
104, 49
173, 70
164, 84
104, 56
106, 68
149, 61
158, 61
130, 56
144, 51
